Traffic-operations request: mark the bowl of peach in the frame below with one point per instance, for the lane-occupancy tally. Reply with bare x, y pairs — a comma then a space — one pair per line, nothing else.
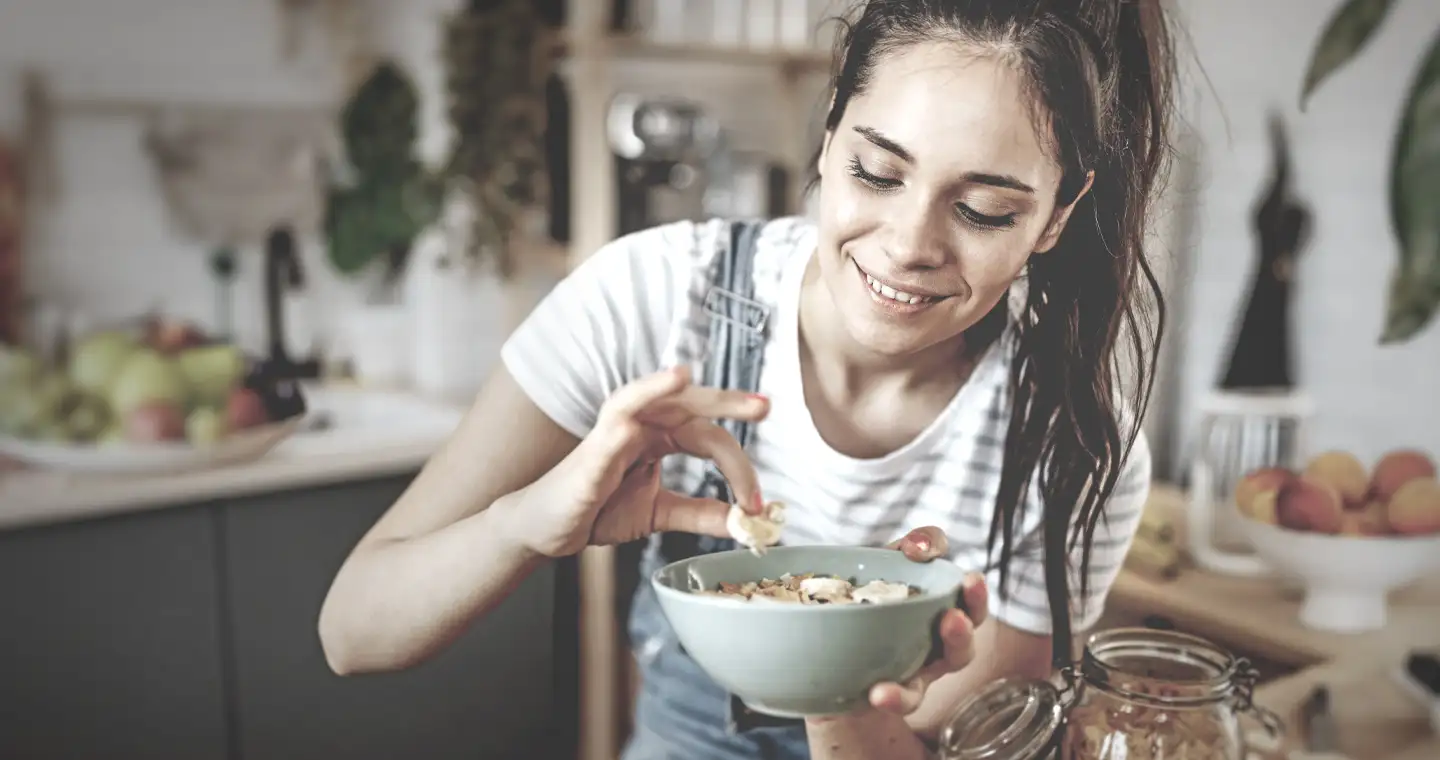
1348, 534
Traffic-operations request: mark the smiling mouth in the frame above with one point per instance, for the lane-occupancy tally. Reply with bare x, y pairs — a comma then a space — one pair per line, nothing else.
896, 296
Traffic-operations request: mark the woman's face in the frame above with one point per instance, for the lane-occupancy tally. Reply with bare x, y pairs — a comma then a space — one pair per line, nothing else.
935, 190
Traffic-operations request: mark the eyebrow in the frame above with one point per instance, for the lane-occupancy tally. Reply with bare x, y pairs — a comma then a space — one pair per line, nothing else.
879, 140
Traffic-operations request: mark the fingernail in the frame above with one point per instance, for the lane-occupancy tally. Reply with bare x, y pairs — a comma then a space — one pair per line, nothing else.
921, 544
973, 579
759, 397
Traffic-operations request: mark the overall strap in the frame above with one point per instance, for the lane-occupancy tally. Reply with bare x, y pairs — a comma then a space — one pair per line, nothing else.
738, 324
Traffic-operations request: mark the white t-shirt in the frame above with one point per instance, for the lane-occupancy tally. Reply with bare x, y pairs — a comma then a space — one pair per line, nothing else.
635, 307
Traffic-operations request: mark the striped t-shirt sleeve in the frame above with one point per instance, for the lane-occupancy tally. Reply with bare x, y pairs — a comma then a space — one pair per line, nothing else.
600, 328
1027, 607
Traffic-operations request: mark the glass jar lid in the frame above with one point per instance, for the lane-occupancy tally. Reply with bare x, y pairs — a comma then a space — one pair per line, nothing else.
1007, 720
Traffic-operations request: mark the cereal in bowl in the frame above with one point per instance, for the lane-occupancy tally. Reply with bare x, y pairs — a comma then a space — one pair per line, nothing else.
815, 589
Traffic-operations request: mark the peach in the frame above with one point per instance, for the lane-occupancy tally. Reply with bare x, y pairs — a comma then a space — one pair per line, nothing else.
1262, 507
1397, 468
1306, 503
1367, 521
1415, 508
1345, 473
1257, 482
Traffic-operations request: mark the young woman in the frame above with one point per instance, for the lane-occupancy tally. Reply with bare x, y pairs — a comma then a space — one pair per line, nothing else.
942, 347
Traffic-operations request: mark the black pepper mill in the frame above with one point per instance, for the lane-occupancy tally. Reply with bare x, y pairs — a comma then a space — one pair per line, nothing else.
1261, 356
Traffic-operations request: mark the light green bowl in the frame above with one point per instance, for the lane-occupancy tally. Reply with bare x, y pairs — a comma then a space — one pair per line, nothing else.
792, 660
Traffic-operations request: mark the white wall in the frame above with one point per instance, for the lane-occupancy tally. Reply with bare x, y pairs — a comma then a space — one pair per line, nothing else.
1370, 398
104, 245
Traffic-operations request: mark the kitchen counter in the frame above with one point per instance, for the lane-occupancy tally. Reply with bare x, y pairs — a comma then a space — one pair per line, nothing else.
1260, 617
181, 620
374, 434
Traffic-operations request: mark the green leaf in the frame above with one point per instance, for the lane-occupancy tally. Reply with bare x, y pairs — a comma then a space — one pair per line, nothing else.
1415, 206
1349, 29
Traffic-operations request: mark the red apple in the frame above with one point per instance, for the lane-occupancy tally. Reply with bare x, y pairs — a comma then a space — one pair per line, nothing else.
169, 336
245, 409
154, 422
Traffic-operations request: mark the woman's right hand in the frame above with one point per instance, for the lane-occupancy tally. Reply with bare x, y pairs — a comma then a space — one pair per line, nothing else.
607, 491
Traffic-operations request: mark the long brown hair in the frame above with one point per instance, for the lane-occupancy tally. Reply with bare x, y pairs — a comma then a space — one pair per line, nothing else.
1100, 73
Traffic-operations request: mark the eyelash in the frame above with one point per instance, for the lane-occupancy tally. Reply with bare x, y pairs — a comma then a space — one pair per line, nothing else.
969, 215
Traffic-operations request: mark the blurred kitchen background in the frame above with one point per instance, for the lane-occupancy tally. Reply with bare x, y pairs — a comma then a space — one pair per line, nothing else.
354, 201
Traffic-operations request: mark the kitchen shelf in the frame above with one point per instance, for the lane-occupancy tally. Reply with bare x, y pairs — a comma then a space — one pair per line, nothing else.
635, 48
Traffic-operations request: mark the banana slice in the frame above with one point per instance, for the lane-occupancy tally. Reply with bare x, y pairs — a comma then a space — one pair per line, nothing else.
756, 532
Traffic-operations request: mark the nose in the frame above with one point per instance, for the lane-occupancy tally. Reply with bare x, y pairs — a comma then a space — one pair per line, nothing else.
918, 237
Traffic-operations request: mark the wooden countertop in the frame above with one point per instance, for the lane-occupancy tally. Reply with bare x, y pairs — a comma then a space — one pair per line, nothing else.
364, 446
1377, 720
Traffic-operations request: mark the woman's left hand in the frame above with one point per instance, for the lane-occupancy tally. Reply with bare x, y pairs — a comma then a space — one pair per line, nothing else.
956, 634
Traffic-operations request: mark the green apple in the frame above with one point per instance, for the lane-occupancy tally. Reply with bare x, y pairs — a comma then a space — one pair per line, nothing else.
18, 365
212, 371
206, 426
98, 358
148, 377
112, 435
88, 417
28, 410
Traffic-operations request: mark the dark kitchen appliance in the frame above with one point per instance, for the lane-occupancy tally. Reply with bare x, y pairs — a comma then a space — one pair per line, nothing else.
662, 146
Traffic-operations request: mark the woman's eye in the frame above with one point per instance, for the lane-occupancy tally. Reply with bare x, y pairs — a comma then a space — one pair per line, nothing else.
874, 181
985, 221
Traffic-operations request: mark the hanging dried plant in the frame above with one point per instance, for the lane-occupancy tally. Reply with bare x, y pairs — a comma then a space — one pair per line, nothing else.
498, 55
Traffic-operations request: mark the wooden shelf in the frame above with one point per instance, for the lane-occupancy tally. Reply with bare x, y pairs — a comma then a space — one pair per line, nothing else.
634, 48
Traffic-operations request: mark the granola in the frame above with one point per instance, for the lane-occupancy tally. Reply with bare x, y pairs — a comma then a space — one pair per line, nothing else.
811, 588
1108, 728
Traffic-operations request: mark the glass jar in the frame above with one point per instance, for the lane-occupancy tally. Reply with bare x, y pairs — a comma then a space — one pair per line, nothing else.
1137, 694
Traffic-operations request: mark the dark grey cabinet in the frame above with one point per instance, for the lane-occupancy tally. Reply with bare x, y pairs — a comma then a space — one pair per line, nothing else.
486, 696
110, 640
190, 633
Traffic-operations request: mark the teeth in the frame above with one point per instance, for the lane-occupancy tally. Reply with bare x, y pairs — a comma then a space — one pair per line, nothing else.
893, 294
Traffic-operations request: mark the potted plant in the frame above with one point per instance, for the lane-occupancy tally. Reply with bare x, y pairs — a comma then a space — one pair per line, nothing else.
1414, 187
378, 202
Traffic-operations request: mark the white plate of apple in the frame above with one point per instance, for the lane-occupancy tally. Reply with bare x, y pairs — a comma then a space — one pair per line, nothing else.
157, 400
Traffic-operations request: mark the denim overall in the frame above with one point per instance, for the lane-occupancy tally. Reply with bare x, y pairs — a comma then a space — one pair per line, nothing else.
681, 713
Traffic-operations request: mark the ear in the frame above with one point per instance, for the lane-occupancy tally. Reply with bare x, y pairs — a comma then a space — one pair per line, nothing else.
824, 151
825, 141
1061, 217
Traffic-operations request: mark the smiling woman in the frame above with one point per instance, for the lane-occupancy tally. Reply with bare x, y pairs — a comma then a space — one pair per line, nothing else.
866, 367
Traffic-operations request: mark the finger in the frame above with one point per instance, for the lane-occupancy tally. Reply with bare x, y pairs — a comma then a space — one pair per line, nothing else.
956, 635
923, 544
690, 514
706, 439
706, 403
636, 396
899, 698
976, 596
